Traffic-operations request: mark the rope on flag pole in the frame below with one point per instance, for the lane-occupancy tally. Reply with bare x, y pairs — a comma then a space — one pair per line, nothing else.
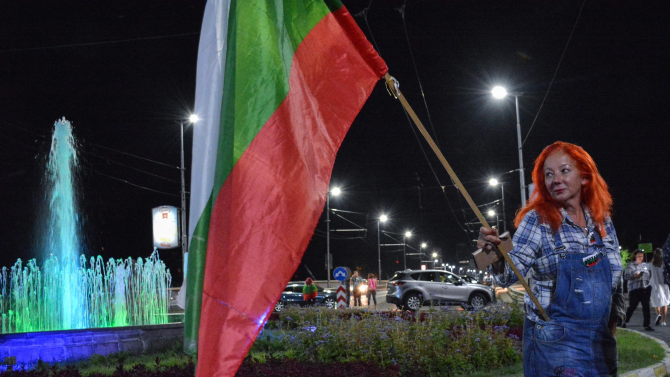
394, 89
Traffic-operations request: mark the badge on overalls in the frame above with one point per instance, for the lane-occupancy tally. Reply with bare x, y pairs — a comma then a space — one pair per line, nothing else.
591, 260
592, 238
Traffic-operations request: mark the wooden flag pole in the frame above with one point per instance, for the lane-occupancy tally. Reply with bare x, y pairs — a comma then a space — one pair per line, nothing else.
392, 86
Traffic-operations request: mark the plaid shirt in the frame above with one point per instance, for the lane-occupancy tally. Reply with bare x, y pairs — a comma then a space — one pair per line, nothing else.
534, 251
632, 269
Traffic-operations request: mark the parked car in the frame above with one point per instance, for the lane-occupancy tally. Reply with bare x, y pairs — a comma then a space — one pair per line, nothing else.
410, 289
292, 295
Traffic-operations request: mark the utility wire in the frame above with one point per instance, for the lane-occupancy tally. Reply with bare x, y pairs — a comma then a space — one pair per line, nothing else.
128, 182
364, 14
555, 72
98, 43
416, 71
132, 155
132, 167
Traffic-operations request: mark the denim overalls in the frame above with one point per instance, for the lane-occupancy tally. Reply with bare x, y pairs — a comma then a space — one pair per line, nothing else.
576, 341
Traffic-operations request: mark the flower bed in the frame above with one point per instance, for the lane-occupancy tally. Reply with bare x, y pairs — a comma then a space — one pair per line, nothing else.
439, 342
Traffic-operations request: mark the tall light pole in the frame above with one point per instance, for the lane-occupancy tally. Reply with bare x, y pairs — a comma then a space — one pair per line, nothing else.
334, 191
381, 219
407, 235
494, 182
184, 234
500, 92
493, 213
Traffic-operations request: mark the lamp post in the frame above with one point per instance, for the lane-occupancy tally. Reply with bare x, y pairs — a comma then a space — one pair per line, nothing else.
500, 92
184, 234
493, 213
407, 235
381, 219
335, 191
494, 182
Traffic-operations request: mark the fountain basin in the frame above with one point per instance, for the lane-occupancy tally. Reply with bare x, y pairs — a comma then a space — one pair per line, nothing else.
72, 345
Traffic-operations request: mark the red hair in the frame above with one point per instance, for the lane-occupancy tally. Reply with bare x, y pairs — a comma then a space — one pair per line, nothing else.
595, 195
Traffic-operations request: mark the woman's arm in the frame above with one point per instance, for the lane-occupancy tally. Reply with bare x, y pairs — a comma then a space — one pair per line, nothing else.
527, 243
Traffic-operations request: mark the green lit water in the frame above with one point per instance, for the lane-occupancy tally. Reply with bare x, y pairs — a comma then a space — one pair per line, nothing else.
113, 293
69, 292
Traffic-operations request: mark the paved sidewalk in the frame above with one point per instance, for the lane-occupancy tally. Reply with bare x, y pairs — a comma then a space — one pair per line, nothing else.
662, 332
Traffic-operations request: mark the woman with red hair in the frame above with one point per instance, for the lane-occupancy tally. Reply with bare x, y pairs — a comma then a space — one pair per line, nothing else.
566, 239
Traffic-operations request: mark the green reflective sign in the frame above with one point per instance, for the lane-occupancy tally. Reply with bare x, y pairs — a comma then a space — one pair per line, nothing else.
645, 247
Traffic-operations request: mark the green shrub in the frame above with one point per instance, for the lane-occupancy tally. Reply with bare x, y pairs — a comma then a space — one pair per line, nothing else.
432, 343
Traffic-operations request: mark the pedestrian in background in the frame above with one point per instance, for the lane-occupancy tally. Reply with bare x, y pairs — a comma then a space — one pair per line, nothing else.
660, 294
639, 290
309, 292
347, 287
372, 289
356, 281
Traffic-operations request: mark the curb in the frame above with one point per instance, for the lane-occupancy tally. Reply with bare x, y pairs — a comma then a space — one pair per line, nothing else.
656, 370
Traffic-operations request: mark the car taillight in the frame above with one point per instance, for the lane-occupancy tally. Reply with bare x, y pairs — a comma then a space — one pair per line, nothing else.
398, 283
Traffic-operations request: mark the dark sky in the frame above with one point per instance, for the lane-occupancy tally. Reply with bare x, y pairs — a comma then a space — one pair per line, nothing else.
124, 73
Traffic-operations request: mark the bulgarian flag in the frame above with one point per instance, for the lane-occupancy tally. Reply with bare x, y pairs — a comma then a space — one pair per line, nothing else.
278, 85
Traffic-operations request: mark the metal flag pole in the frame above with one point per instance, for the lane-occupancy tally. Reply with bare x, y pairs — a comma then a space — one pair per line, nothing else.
393, 87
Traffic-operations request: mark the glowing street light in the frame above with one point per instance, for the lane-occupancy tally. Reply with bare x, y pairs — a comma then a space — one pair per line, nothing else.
494, 182
184, 234
335, 191
499, 92
407, 235
381, 219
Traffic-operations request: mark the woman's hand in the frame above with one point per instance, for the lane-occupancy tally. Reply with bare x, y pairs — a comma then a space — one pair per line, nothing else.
488, 239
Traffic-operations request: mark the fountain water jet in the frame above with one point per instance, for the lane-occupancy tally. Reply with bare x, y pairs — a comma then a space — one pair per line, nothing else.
66, 293
63, 232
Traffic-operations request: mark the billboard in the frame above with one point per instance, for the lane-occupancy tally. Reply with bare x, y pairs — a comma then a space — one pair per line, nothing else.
166, 227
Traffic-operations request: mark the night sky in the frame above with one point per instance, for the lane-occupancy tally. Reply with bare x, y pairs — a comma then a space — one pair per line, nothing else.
123, 73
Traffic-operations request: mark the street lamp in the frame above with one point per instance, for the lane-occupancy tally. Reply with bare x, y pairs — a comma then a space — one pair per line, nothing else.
407, 235
500, 92
494, 182
184, 234
381, 219
335, 191
493, 213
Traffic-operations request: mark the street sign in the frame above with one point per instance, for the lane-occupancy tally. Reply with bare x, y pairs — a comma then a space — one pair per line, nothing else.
645, 247
341, 297
340, 273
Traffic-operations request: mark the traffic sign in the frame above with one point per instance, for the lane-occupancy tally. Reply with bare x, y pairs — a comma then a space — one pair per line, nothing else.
341, 297
645, 247
340, 273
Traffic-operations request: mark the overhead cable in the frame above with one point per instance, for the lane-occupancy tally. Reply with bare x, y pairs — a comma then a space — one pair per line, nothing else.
555, 72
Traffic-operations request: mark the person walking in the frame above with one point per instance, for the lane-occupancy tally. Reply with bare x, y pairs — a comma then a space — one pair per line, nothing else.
356, 281
660, 294
372, 289
309, 292
639, 291
347, 287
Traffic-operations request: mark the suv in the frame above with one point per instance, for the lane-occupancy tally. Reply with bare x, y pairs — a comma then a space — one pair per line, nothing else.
410, 289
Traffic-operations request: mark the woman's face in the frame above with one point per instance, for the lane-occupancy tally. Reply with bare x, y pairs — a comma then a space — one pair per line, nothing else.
562, 178
639, 257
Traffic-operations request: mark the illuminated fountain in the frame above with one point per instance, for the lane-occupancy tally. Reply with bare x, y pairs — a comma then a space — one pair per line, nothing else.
66, 293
